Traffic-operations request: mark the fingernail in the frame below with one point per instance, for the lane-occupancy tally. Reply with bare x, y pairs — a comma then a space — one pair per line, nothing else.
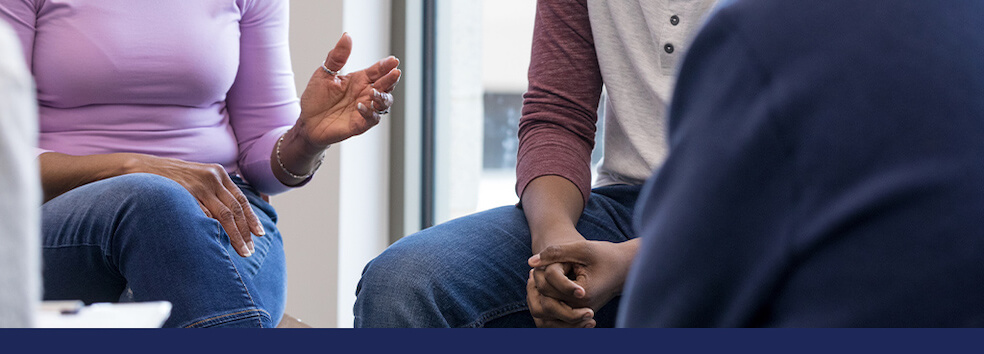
245, 251
587, 316
262, 231
252, 247
361, 107
534, 260
589, 325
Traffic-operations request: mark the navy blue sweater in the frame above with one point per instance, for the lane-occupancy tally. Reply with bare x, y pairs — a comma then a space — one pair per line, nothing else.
826, 169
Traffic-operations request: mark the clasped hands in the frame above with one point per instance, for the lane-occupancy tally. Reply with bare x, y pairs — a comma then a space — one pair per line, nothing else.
570, 282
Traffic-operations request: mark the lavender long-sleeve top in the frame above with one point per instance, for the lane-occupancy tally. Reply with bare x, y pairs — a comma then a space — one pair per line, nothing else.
205, 80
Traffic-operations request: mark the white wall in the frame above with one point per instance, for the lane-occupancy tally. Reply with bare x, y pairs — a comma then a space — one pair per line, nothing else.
331, 232
364, 215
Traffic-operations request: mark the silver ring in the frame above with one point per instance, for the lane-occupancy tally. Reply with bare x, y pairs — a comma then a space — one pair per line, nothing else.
327, 70
373, 106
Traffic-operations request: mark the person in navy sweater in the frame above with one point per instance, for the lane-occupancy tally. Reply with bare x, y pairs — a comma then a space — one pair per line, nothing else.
826, 169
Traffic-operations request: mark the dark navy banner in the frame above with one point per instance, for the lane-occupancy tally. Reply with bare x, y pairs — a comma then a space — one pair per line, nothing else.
511, 341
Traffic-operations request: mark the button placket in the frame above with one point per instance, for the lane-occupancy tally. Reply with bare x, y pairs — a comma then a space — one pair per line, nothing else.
668, 47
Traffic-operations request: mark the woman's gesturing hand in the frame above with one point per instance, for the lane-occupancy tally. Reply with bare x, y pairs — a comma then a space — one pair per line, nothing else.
335, 107
217, 195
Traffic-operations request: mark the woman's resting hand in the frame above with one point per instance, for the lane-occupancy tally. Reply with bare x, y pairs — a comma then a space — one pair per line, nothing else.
217, 195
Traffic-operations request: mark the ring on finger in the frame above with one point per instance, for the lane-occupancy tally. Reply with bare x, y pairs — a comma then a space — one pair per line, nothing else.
383, 112
324, 67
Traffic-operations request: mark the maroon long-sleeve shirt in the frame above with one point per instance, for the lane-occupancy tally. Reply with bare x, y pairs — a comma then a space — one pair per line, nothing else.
557, 129
633, 47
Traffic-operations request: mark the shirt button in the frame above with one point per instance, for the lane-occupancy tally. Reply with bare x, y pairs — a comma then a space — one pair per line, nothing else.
668, 48
674, 20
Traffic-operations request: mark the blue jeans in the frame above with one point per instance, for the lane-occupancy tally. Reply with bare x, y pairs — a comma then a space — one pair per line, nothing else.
143, 237
472, 271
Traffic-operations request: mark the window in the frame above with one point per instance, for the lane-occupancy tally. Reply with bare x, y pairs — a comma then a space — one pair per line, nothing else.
481, 53
475, 56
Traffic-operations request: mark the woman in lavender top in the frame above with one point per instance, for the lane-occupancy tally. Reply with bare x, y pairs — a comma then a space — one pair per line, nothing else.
162, 125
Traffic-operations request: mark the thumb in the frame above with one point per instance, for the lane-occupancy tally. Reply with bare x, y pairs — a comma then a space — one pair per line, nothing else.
339, 55
568, 253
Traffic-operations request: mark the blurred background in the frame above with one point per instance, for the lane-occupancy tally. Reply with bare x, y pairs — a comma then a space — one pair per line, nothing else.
447, 150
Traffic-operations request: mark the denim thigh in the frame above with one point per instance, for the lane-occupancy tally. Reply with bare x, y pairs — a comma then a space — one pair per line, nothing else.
143, 237
472, 271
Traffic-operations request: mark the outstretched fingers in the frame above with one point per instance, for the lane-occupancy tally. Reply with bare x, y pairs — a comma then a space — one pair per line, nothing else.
381, 69
388, 82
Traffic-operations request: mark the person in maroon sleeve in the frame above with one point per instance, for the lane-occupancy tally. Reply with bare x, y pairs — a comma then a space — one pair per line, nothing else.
475, 271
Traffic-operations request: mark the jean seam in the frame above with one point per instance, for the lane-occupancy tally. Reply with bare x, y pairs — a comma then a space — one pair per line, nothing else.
229, 317
498, 313
68, 246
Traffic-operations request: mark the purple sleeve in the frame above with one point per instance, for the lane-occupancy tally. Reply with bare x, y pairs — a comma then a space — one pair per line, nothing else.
556, 132
262, 102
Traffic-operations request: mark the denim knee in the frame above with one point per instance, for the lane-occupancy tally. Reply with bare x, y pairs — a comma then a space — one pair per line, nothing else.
400, 288
158, 206
150, 191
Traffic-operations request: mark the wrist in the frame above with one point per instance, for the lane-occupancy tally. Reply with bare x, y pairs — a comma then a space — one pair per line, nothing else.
297, 140
543, 236
128, 164
626, 252
296, 158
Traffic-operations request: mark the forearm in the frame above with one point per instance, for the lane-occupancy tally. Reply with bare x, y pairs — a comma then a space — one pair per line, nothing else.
61, 173
552, 205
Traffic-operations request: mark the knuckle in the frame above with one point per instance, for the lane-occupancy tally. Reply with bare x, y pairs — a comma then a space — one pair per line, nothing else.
226, 215
236, 210
550, 251
217, 171
240, 197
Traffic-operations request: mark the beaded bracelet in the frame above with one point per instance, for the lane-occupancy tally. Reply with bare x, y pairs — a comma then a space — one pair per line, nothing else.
291, 174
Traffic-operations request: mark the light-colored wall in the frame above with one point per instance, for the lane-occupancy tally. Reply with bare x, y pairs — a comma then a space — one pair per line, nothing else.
364, 215
331, 232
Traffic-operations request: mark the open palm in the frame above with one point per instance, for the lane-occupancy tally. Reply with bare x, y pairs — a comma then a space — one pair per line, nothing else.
337, 107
